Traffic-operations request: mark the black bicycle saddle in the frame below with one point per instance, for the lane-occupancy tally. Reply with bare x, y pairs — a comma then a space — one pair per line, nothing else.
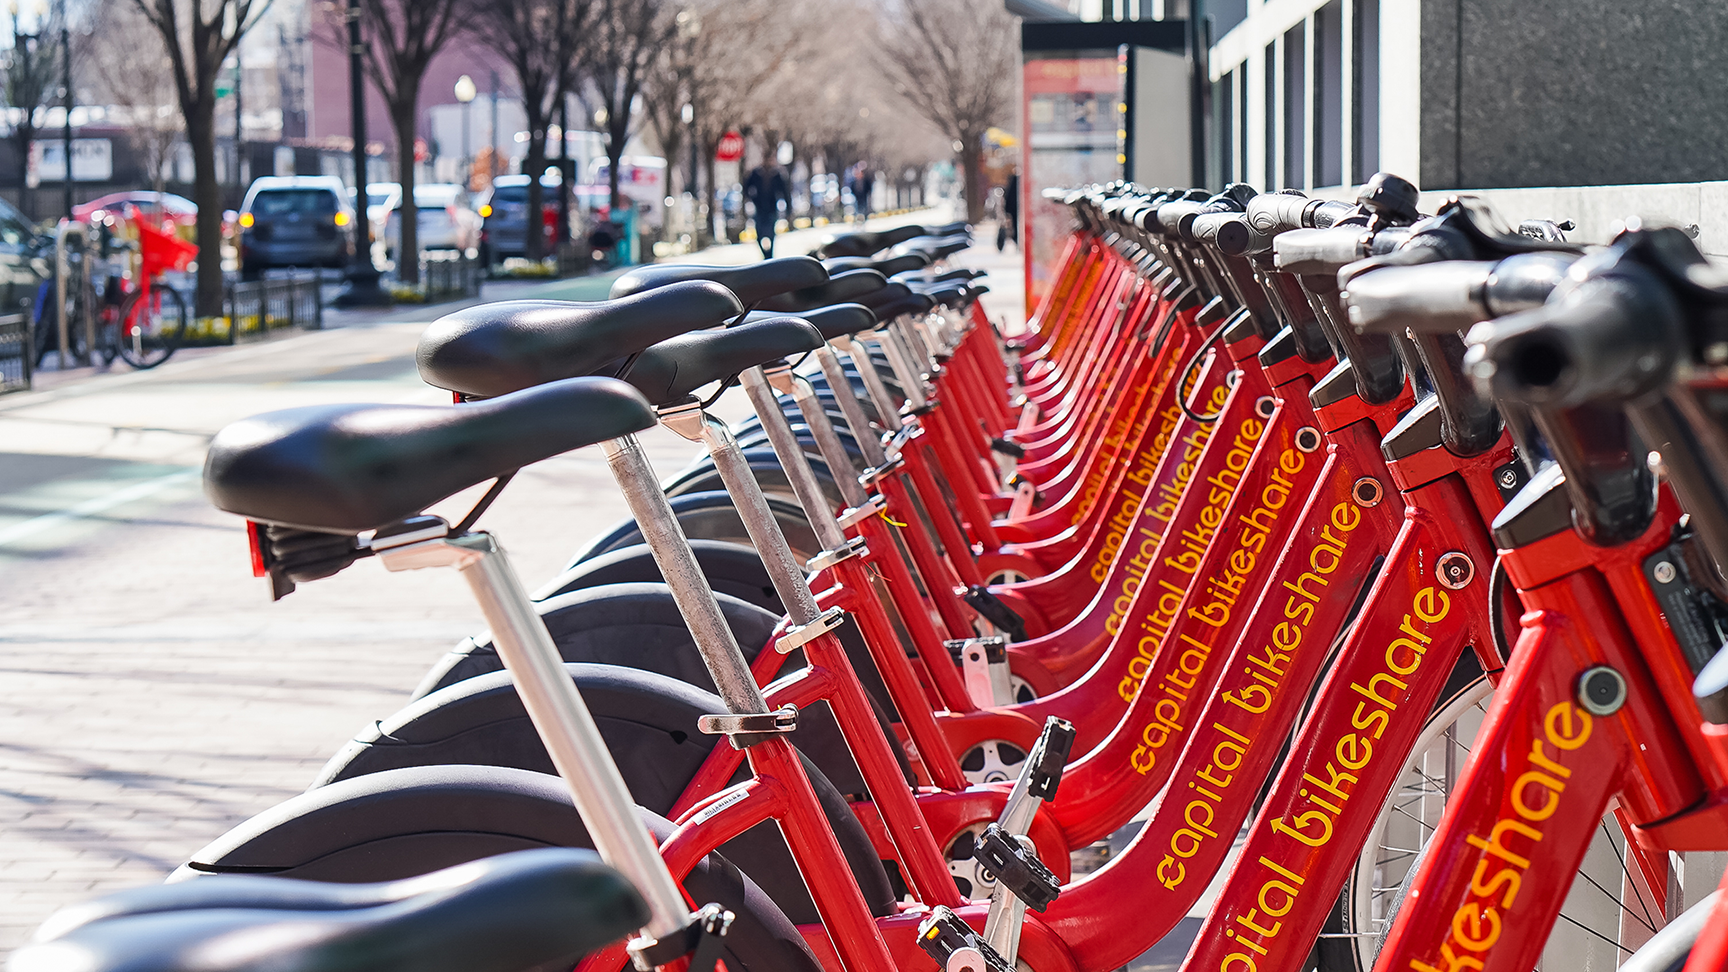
751, 282
835, 320
350, 468
866, 243
884, 295
849, 285
672, 369
916, 277
496, 348
502, 914
935, 247
887, 267
951, 294
909, 304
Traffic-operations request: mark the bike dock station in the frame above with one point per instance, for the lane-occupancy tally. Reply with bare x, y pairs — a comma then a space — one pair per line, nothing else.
1323, 575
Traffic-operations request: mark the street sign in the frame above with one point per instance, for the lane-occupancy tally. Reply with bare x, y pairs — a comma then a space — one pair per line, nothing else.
92, 161
731, 147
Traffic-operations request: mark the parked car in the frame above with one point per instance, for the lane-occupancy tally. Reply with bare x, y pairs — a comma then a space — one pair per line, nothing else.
382, 198
178, 210
444, 220
182, 211
295, 221
505, 213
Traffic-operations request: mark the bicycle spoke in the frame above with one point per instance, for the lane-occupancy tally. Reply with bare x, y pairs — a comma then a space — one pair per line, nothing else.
1616, 898
1626, 875
1567, 918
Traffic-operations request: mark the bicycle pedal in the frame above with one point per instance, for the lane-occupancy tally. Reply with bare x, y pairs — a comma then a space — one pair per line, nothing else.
1017, 868
1048, 757
955, 947
992, 609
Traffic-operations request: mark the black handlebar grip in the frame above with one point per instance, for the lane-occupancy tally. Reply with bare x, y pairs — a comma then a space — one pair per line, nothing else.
1524, 282
1170, 215
1272, 213
1429, 299
1316, 251
1229, 232
1608, 339
1328, 213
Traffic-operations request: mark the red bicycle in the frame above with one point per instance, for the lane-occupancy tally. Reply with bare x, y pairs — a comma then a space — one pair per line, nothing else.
146, 324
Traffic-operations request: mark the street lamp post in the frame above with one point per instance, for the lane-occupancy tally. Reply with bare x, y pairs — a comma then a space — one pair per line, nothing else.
66, 91
689, 117
362, 288
689, 25
465, 93
492, 165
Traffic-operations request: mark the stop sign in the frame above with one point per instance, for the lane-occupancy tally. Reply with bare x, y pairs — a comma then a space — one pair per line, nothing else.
731, 147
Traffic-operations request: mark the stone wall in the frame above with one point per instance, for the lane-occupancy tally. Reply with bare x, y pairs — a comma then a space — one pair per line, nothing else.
1573, 92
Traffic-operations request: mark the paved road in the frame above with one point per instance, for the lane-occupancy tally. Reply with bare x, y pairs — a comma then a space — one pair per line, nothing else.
151, 696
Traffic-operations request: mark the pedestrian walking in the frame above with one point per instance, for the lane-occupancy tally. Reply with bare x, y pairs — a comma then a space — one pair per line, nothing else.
764, 188
866, 186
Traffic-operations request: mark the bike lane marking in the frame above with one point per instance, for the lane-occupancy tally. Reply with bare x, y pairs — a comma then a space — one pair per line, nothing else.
94, 506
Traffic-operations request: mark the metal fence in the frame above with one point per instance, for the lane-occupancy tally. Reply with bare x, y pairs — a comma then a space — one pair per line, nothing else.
16, 353
254, 308
449, 277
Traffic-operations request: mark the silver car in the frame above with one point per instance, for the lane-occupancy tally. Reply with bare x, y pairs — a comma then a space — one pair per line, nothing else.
444, 220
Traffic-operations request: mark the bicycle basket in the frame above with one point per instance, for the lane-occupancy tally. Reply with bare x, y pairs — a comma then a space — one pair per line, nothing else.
160, 251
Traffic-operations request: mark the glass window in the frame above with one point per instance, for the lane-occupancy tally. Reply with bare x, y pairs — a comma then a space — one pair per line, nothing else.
281, 202
1295, 106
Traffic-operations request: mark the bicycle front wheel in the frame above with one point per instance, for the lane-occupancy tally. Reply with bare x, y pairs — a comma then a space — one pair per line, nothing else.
152, 323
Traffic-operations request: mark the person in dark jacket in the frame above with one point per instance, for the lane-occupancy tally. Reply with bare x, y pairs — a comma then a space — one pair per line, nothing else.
764, 188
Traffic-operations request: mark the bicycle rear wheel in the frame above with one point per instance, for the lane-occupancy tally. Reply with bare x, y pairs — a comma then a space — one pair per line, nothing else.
152, 323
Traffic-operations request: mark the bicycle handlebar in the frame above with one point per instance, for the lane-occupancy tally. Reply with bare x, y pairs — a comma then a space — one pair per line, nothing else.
1271, 213
1229, 232
1169, 217
1317, 251
1524, 282
1426, 299
1611, 338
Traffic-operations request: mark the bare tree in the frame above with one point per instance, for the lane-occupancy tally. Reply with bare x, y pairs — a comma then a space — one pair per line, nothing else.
199, 35
954, 64
726, 59
401, 38
672, 79
541, 39
32, 76
140, 84
628, 36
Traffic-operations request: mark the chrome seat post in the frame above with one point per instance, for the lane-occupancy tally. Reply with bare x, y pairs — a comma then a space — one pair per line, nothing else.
560, 717
690, 589
868, 441
905, 372
691, 422
922, 338
784, 380
859, 352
